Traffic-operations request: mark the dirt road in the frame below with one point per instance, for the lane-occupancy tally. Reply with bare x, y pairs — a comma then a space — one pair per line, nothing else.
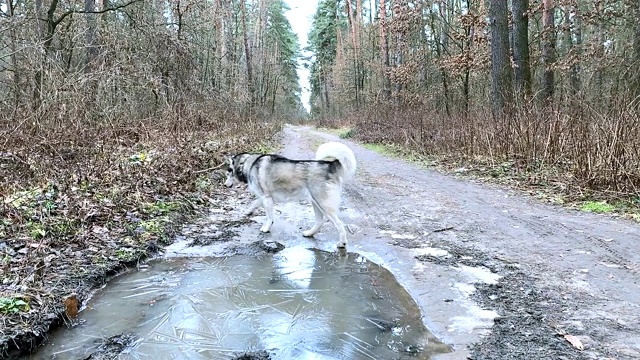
497, 275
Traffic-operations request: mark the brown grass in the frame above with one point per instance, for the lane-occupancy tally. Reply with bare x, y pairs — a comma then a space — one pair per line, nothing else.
81, 199
585, 154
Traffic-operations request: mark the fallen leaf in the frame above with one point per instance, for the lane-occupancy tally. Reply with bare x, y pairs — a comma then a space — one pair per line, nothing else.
71, 305
573, 340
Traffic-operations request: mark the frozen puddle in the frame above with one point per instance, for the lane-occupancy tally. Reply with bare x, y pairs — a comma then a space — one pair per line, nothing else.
296, 304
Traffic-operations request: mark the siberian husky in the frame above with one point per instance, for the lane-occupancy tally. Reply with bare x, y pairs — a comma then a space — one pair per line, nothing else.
276, 179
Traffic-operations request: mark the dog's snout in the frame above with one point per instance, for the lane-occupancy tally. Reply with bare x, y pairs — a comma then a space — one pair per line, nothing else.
229, 182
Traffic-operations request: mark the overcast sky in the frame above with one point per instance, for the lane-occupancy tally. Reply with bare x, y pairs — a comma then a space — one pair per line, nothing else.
300, 17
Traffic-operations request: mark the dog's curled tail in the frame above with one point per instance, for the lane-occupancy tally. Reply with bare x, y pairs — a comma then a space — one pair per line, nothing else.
341, 152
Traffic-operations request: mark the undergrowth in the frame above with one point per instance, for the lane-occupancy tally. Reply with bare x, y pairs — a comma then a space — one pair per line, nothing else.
77, 204
586, 159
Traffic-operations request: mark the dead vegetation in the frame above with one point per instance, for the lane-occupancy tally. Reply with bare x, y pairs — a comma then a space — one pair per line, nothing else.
435, 78
81, 203
564, 157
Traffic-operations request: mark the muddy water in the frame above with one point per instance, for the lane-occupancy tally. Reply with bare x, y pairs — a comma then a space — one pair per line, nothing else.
296, 304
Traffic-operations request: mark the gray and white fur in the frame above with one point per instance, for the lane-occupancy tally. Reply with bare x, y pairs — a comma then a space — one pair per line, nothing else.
276, 179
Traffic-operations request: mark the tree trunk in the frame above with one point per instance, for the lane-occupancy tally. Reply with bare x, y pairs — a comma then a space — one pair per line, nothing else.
384, 51
548, 50
576, 66
221, 49
501, 87
247, 53
90, 46
599, 53
180, 21
37, 89
46, 35
469, 32
9, 6
522, 69
262, 73
636, 52
568, 39
273, 96
40, 15
360, 74
326, 91
442, 43
354, 41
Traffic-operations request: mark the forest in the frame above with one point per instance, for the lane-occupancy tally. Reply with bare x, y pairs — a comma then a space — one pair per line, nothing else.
548, 89
116, 115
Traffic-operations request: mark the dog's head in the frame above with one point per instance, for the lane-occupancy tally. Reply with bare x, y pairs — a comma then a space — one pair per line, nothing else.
235, 169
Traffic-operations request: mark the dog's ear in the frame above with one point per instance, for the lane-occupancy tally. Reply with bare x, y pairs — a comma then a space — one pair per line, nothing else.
228, 157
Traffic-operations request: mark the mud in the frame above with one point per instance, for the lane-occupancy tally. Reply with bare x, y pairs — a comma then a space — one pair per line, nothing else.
261, 355
524, 329
112, 347
224, 231
545, 271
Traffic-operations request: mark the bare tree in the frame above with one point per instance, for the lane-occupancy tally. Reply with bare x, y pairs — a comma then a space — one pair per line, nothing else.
354, 26
522, 66
636, 51
501, 85
384, 50
13, 48
90, 36
247, 53
548, 49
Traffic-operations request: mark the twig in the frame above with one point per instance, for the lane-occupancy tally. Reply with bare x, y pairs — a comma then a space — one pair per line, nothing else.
71, 12
443, 229
8, 156
209, 169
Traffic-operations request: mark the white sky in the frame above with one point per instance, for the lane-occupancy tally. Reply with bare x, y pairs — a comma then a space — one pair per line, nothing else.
300, 17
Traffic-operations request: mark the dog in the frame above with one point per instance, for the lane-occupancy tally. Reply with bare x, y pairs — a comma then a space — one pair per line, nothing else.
276, 179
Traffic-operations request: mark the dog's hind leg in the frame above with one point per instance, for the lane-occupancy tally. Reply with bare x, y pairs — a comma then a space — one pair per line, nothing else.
268, 204
342, 231
332, 214
254, 205
319, 221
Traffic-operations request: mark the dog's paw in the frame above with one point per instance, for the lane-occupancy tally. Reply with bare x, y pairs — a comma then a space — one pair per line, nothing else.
308, 233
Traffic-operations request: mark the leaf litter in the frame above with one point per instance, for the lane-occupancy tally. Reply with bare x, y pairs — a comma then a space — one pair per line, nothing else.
73, 217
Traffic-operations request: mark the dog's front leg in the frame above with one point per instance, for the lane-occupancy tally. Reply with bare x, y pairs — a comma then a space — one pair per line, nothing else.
268, 204
254, 205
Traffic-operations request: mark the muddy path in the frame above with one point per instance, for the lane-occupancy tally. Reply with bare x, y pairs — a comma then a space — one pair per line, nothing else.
497, 275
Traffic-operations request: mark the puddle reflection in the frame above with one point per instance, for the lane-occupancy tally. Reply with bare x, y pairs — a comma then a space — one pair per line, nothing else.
299, 303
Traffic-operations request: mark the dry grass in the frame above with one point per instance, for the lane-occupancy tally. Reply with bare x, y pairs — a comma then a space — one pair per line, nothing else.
80, 200
582, 156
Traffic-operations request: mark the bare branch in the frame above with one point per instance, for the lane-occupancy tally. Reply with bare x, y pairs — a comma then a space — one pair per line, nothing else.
70, 12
